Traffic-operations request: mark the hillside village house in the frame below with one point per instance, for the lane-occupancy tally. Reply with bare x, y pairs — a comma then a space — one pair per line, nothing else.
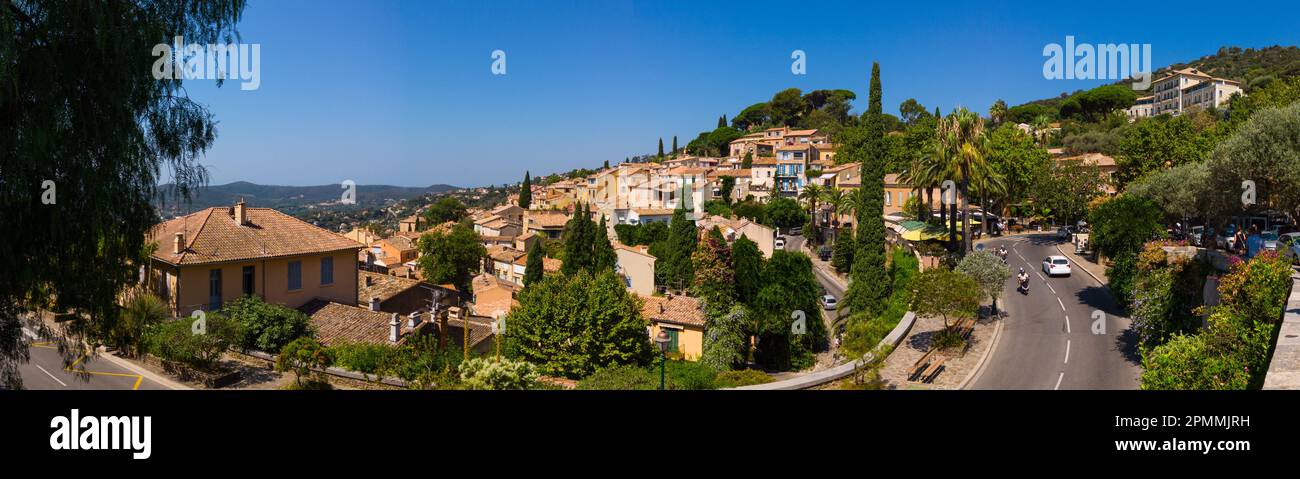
1188, 89
219, 254
1103, 162
637, 268
791, 165
682, 318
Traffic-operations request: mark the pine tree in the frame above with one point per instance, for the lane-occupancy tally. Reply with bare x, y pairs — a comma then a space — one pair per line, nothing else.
869, 283
526, 192
845, 247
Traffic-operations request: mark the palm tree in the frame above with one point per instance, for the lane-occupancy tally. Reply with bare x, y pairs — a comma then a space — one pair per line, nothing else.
998, 112
852, 203
1042, 126
988, 183
923, 176
964, 143
811, 194
141, 311
835, 197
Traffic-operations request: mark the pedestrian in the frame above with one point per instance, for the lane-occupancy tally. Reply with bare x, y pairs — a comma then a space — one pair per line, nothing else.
1254, 242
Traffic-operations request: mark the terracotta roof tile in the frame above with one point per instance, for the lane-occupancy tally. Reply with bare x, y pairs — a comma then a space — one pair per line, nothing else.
212, 236
337, 323
681, 310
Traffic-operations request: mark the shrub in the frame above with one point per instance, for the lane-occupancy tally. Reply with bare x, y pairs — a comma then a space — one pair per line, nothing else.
365, 358
301, 356
177, 342
267, 327
140, 313
688, 375
498, 374
744, 377
625, 377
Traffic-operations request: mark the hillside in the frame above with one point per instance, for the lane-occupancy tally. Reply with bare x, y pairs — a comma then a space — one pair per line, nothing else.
1252, 67
295, 199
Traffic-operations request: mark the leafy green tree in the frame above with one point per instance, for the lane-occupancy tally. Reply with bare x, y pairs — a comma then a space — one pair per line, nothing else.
573, 325
845, 248
535, 268
81, 110
788, 286
714, 282
302, 356
266, 326
1019, 160
947, 294
988, 271
755, 115
724, 340
526, 192
1183, 191
580, 241
785, 213
661, 149
786, 107
749, 264
1161, 142
998, 112
910, 111
498, 374
748, 161
1067, 188
1123, 224
451, 257
868, 287
1266, 150
446, 209
674, 144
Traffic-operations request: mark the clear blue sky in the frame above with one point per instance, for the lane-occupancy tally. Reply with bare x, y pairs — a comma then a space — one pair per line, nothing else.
401, 93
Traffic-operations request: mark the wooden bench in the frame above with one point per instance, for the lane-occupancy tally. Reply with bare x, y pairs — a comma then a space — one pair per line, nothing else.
919, 366
932, 372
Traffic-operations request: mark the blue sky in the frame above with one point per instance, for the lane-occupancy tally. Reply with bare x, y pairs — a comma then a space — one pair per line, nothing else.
401, 92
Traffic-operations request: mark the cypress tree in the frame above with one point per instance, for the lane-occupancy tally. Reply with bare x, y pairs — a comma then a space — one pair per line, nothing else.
842, 258
682, 239
603, 251
661, 149
722, 121
869, 283
526, 192
674, 144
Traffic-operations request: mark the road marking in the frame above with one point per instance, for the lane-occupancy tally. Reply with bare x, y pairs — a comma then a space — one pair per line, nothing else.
47, 373
1040, 276
1049, 286
1058, 381
1062, 303
1067, 327
1067, 351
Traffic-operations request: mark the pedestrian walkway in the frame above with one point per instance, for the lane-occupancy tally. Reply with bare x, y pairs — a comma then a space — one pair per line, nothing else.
1097, 271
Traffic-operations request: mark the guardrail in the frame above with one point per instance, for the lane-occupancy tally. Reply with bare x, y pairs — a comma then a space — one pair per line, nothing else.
838, 372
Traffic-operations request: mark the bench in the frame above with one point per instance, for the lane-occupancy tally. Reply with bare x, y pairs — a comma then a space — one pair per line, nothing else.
932, 372
919, 366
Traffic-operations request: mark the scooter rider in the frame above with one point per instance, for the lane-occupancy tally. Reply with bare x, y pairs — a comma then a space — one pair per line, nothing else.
1024, 279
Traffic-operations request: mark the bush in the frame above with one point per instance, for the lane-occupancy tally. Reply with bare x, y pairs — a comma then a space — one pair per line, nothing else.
267, 327
176, 341
140, 313
418, 361
744, 377
365, 358
626, 377
689, 375
301, 356
498, 374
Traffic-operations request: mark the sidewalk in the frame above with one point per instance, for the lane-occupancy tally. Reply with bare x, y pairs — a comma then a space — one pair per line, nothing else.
1097, 271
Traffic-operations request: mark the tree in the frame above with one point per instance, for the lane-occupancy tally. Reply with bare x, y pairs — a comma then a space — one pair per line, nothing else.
714, 282
603, 255
1066, 189
1123, 224
265, 326
842, 256
785, 213
811, 194
102, 130
1181, 192
674, 144
452, 256
302, 356
748, 262
1266, 150
535, 268
868, 286
788, 286
998, 112
910, 111
755, 115
141, 312
786, 107
1159, 143
947, 294
988, 271
446, 209
526, 192
682, 238
964, 146
728, 186
572, 325
724, 340
660, 156
1020, 161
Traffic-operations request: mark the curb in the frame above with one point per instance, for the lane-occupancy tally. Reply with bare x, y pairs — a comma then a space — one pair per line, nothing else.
152, 376
979, 367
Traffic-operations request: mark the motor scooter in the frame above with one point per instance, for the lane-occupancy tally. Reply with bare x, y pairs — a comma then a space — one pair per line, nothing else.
1024, 285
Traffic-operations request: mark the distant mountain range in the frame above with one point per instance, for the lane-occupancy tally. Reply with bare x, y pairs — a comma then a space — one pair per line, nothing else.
292, 199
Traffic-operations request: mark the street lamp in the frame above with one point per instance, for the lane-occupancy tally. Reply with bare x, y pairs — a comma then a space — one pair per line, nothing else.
662, 340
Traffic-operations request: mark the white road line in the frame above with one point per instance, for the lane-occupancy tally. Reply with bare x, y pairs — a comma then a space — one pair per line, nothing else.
1058, 301
1049, 286
1022, 258
1058, 381
1067, 327
47, 373
1067, 351
1040, 276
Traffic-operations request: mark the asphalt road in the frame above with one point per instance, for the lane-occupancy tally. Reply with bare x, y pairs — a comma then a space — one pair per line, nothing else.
46, 370
1048, 339
796, 243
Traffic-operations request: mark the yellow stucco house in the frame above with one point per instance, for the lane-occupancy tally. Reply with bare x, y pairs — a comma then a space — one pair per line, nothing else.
219, 254
682, 317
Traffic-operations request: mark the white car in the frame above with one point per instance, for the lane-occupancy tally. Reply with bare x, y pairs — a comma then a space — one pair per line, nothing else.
829, 302
1289, 244
1054, 265
780, 243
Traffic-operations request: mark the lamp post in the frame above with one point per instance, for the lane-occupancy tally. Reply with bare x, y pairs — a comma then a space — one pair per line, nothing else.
662, 340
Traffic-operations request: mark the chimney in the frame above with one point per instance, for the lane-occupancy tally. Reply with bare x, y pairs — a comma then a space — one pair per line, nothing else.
413, 319
179, 244
394, 329
241, 213
374, 301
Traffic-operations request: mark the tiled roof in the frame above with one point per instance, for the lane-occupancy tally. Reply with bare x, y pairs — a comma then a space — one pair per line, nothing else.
547, 219
382, 286
733, 173
1097, 159
212, 236
504, 254
681, 310
763, 161
337, 323
480, 329
403, 241
653, 211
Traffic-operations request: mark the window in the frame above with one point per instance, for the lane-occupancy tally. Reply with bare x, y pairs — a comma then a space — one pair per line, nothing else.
887, 197
214, 289
327, 270
295, 275
248, 281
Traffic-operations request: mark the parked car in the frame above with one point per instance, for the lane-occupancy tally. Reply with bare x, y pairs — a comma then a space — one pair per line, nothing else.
1064, 232
1199, 234
1270, 238
1054, 265
780, 242
829, 302
1289, 246
1226, 239
824, 253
